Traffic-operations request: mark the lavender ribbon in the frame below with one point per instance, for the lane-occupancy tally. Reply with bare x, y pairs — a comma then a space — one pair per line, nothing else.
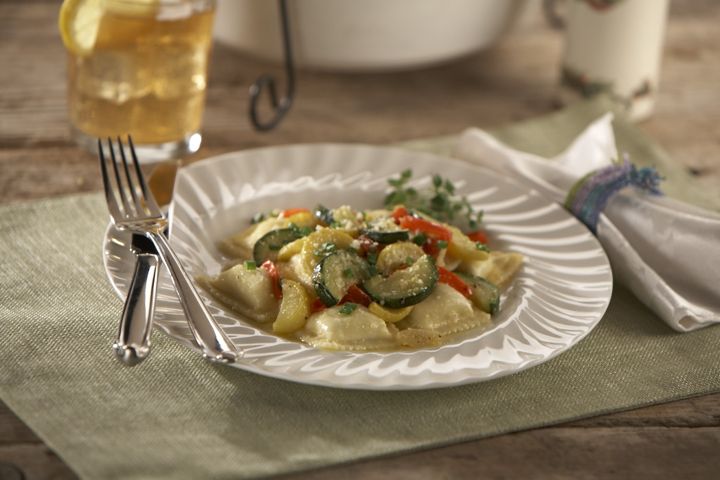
589, 196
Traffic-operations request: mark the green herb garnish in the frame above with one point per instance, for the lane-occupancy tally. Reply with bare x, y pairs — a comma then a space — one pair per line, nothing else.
257, 218
250, 265
442, 244
402, 194
325, 249
482, 246
301, 231
348, 273
348, 308
439, 201
409, 260
323, 214
420, 239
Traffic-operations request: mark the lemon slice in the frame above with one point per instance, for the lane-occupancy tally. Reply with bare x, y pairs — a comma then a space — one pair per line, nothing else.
79, 24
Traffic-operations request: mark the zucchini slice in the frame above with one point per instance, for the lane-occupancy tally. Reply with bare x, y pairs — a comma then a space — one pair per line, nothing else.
336, 273
485, 295
384, 230
319, 244
404, 287
387, 237
324, 214
268, 246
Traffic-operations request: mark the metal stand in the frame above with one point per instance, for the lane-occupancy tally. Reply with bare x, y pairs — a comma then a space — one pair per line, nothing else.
281, 106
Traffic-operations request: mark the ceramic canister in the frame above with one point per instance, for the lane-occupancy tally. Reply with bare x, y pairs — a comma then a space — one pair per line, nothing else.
615, 46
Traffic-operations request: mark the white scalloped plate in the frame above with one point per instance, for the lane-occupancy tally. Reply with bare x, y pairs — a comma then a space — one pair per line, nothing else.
558, 297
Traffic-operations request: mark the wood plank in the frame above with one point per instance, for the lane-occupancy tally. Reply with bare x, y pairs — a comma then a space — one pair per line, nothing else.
553, 454
35, 461
12, 430
694, 412
46, 172
667, 437
601, 445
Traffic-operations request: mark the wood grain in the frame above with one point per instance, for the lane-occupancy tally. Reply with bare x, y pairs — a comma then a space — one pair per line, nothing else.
673, 440
514, 81
557, 453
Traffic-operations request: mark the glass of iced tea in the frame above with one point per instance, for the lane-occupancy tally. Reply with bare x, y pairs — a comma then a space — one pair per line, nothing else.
138, 67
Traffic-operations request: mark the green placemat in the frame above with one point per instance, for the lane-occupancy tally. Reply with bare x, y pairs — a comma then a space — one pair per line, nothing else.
177, 416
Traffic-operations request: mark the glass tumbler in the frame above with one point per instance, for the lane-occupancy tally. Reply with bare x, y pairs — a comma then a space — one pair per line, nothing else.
138, 67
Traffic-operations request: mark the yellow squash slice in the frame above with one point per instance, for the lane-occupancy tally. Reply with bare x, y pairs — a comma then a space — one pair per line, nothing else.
390, 315
462, 248
294, 308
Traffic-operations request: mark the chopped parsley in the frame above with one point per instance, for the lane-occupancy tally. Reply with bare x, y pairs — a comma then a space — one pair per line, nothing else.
323, 214
250, 265
442, 244
420, 239
301, 231
348, 273
482, 246
325, 249
348, 308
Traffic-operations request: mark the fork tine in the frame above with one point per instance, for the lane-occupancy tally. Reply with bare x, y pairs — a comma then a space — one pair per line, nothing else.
150, 202
133, 185
110, 197
129, 211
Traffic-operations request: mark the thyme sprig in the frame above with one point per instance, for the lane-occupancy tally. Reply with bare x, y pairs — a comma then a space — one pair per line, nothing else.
440, 201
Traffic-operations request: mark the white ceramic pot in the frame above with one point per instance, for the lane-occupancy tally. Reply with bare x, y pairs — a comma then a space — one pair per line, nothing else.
615, 47
362, 35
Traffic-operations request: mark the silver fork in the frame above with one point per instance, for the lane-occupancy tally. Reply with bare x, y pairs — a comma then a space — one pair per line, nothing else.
132, 207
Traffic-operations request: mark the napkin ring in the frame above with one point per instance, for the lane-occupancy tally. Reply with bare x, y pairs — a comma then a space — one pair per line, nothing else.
589, 196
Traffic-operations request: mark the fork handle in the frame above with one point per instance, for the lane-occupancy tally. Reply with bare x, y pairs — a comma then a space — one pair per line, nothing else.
133, 341
216, 346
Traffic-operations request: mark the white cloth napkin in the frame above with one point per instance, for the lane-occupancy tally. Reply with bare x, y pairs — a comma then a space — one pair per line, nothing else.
666, 252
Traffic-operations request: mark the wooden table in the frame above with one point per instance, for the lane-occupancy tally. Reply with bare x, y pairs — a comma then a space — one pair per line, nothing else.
514, 81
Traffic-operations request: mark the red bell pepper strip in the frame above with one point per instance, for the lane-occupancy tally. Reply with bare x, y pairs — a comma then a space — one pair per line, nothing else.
478, 236
356, 295
274, 275
431, 247
430, 229
400, 212
292, 211
317, 306
448, 277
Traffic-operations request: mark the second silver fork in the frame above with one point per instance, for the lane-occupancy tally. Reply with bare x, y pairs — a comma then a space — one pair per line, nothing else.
133, 207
